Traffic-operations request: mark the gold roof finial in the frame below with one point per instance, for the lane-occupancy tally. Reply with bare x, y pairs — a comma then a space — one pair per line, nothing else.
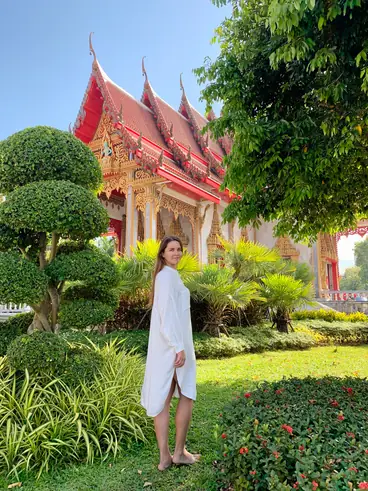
181, 83
91, 50
144, 73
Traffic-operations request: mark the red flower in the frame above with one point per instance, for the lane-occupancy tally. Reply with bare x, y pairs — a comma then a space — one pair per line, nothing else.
252, 473
303, 476
296, 485
243, 450
276, 454
279, 391
287, 428
350, 391
341, 417
363, 485
309, 429
334, 403
314, 485
247, 395
366, 451
312, 401
225, 454
353, 469
224, 435
220, 415
301, 448
350, 434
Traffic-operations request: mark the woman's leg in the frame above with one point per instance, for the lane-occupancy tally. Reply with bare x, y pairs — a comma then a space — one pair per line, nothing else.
162, 432
182, 421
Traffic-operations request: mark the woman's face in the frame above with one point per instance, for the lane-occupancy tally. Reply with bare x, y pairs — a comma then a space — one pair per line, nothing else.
172, 254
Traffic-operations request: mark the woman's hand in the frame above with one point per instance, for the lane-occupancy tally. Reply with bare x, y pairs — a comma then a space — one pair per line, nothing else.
179, 359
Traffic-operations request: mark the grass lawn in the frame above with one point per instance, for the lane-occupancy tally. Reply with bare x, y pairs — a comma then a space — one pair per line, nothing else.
217, 381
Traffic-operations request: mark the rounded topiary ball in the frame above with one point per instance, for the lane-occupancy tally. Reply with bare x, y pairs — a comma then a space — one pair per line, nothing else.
12, 328
43, 153
82, 364
41, 352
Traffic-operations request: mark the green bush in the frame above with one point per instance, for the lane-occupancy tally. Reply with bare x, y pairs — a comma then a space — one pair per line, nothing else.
82, 365
329, 315
339, 332
297, 434
80, 314
12, 328
40, 352
47, 423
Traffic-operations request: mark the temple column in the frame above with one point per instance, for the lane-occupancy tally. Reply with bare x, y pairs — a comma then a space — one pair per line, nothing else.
130, 218
150, 223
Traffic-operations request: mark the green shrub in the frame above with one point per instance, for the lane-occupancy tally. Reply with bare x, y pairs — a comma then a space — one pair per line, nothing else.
80, 314
297, 434
13, 327
329, 315
48, 423
340, 332
40, 352
83, 363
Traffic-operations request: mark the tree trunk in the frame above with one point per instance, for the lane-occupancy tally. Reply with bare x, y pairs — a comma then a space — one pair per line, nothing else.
282, 325
212, 326
41, 318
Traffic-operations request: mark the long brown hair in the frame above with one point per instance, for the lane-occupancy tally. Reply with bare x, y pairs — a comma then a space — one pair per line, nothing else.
160, 261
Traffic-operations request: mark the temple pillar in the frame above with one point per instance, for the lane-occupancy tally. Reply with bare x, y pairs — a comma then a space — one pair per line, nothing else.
150, 223
130, 218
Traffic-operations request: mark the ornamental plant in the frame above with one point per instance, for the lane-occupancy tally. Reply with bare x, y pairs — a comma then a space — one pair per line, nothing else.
309, 434
50, 214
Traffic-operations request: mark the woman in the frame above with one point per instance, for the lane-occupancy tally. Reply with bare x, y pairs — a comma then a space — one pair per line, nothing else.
170, 368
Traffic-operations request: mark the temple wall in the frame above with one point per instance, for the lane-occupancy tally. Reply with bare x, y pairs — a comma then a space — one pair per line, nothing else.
187, 229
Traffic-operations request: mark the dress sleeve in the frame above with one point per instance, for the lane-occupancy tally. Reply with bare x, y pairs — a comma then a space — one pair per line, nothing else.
167, 304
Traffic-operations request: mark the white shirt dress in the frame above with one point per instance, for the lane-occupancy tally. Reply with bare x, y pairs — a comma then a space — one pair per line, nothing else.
170, 333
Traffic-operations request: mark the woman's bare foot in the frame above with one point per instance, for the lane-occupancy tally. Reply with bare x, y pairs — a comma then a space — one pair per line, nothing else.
186, 458
165, 464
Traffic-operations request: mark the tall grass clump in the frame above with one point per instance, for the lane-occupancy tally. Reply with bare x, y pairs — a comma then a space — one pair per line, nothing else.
46, 422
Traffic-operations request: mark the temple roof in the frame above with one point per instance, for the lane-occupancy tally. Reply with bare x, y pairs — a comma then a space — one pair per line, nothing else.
167, 141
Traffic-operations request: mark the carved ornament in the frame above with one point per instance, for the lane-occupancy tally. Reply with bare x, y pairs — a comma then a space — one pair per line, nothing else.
179, 208
287, 249
176, 229
215, 235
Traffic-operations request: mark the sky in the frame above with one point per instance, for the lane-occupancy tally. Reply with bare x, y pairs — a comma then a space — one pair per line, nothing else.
45, 58
346, 251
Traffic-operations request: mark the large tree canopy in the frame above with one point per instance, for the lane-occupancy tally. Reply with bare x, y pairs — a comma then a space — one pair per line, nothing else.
293, 79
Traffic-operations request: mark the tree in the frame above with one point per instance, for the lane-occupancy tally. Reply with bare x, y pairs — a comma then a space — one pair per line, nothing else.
351, 279
283, 294
293, 79
361, 260
50, 214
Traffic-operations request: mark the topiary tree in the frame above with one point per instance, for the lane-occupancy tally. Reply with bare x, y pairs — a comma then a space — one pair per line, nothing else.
50, 215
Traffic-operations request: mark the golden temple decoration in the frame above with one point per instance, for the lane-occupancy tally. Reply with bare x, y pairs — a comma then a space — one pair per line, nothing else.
141, 199
202, 218
177, 230
160, 234
116, 184
179, 208
213, 239
328, 246
105, 126
287, 249
244, 234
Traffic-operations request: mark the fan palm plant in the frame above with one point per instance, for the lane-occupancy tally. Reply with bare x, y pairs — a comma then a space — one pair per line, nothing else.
284, 293
217, 287
248, 260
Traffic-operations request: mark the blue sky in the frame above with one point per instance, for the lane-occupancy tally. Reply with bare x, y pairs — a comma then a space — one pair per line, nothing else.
45, 57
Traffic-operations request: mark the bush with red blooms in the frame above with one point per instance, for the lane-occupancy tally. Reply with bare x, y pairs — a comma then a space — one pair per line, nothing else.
309, 434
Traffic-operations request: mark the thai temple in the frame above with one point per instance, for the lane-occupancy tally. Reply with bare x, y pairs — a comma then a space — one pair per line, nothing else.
163, 176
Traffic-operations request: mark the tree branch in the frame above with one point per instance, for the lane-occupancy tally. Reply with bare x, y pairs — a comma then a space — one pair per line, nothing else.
54, 245
43, 262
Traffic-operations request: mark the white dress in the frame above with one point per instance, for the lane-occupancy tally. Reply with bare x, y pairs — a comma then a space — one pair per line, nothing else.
170, 333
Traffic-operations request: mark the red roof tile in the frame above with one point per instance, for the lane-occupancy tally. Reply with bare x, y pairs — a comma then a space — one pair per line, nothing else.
181, 129
136, 115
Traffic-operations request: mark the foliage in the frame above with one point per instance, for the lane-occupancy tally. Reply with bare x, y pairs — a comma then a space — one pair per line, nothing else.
317, 440
13, 327
32, 285
329, 315
55, 206
220, 290
83, 364
293, 80
45, 154
90, 266
361, 261
339, 332
282, 294
351, 279
83, 313
303, 273
106, 245
51, 210
248, 260
40, 352
68, 424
